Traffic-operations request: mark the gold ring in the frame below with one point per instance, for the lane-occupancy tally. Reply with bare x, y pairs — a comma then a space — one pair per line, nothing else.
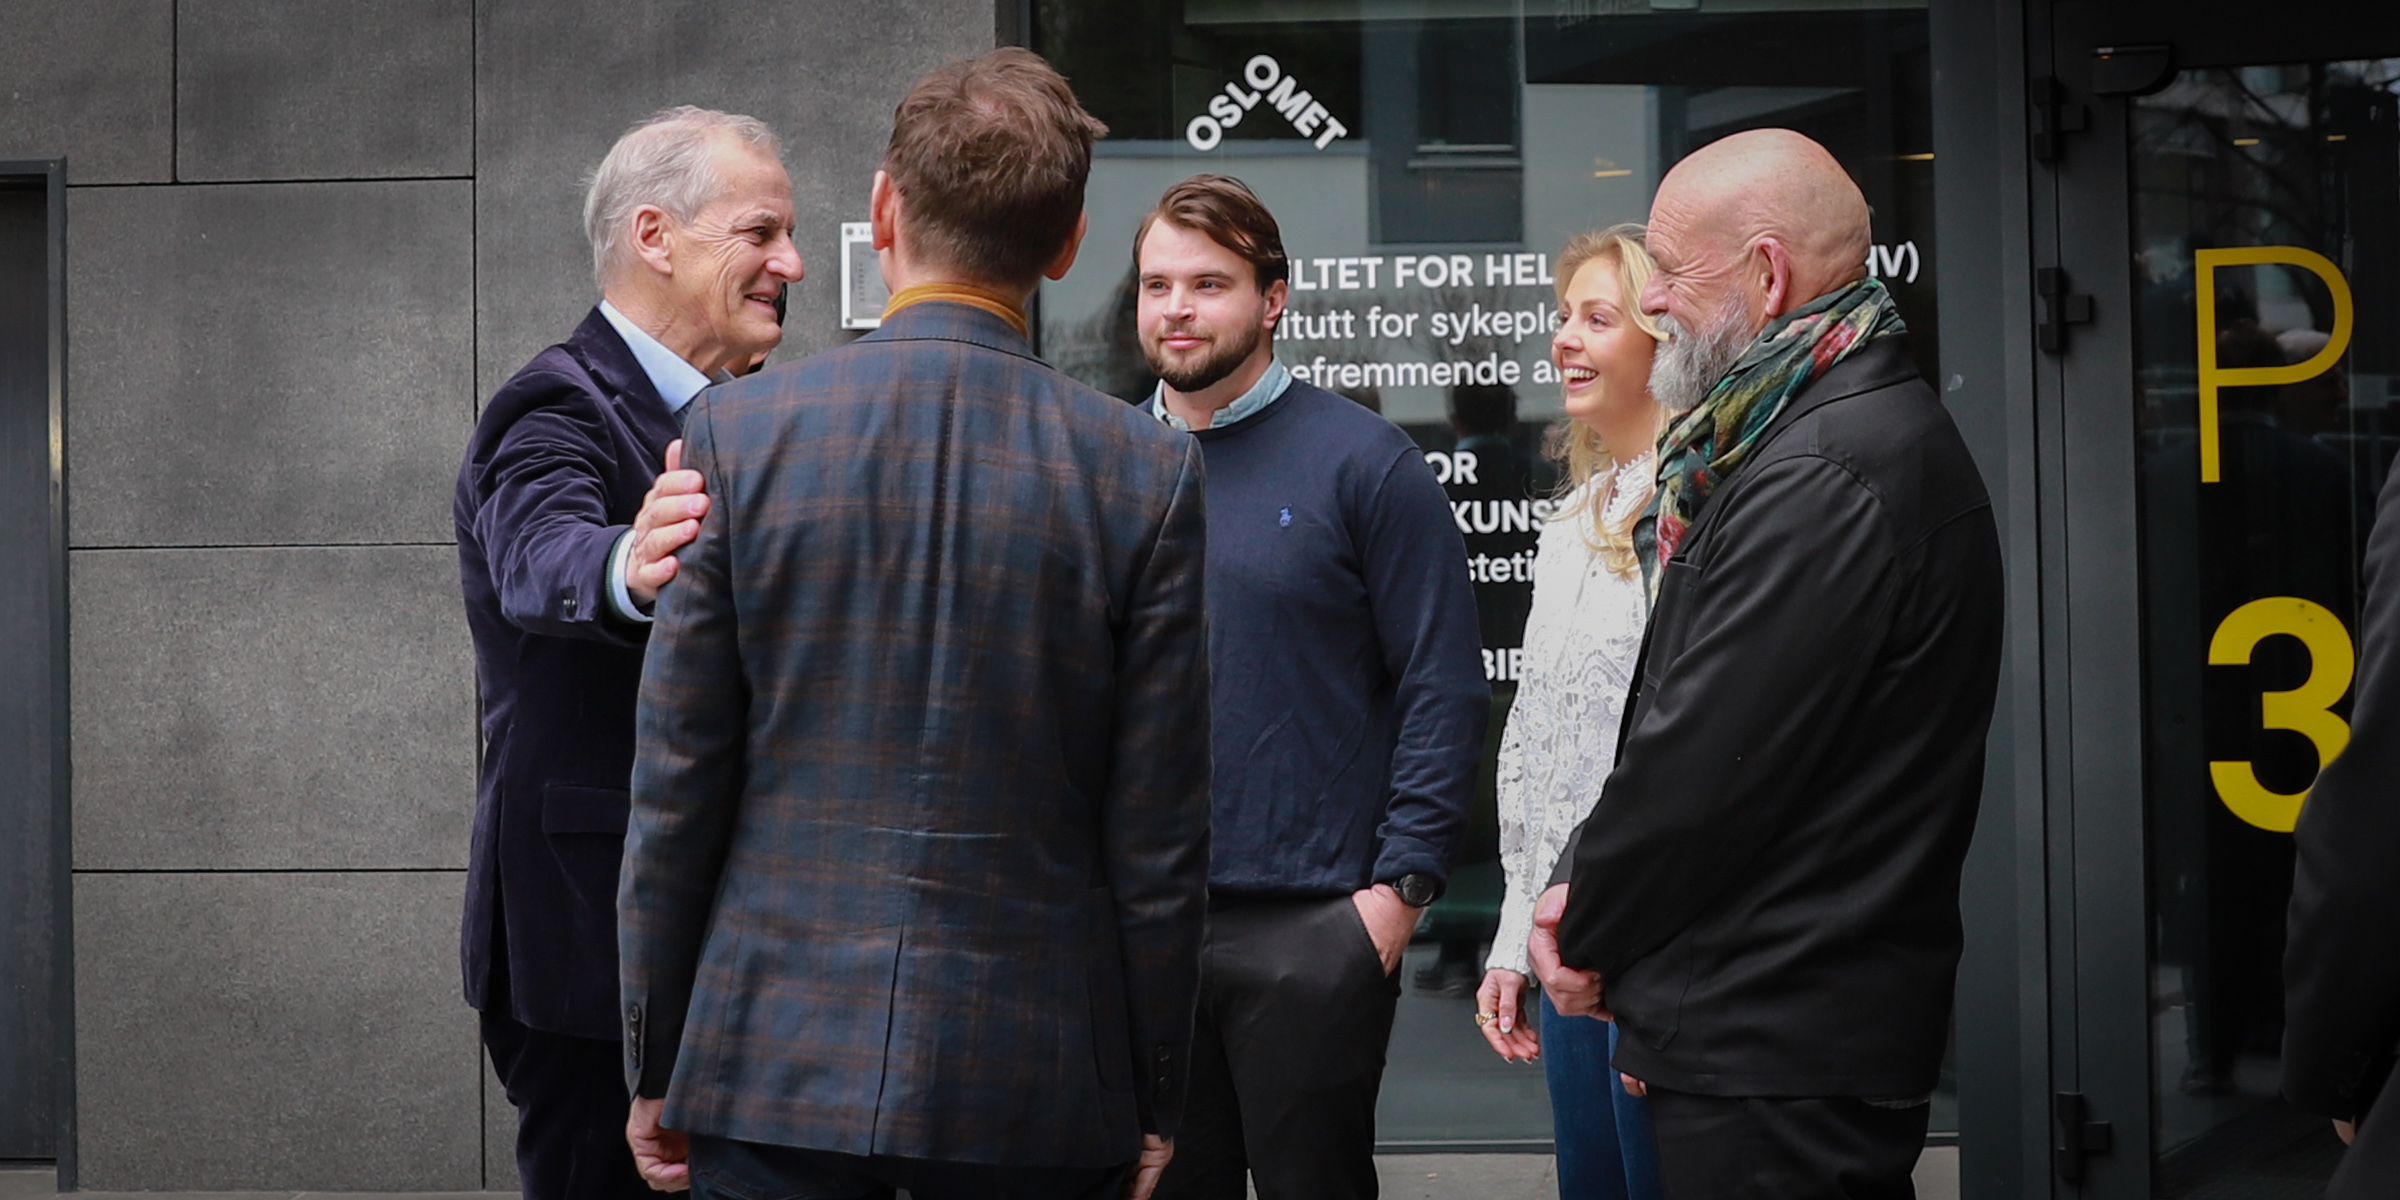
1483, 1018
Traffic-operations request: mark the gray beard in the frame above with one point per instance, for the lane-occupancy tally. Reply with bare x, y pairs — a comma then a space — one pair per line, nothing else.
1690, 365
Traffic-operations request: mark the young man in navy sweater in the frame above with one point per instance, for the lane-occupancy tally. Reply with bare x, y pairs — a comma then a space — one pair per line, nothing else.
1348, 713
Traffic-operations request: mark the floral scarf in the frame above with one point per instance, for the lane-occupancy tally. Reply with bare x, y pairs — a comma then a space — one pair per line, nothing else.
1702, 447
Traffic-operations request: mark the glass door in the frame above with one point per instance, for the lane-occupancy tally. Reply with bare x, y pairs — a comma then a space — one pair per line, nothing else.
2219, 300
2266, 242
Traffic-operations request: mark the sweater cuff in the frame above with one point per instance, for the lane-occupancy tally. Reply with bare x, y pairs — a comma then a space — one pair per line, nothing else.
1408, 856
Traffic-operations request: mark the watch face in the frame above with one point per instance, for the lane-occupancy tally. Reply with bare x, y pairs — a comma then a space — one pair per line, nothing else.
1416, 890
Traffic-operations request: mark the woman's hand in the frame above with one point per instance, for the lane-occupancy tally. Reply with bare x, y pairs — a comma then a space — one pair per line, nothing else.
1501, 997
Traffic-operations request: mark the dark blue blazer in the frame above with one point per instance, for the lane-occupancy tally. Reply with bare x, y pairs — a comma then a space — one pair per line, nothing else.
919, 852
556, 471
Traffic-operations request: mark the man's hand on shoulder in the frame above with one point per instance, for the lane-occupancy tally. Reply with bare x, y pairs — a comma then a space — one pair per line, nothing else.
1389, 921
1573, 993
661, 1154
669, 520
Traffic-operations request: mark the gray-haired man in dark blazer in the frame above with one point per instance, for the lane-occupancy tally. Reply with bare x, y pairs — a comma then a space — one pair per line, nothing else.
915, 881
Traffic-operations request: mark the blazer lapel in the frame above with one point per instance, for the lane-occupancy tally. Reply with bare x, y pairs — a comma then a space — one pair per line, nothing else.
602, 352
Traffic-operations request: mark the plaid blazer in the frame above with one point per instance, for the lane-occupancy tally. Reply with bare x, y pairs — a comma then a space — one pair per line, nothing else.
917, 862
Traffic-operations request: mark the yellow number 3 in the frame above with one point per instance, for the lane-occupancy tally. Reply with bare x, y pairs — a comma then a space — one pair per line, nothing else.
2303, 710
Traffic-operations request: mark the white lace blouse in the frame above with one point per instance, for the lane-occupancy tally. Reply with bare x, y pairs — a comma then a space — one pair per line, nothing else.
1581, 637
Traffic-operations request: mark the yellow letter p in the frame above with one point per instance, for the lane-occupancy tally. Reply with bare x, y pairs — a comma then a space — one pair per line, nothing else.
2212, 376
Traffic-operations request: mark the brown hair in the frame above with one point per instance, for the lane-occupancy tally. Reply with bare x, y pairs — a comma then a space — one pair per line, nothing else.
1572, 443
1230, 214
991, 154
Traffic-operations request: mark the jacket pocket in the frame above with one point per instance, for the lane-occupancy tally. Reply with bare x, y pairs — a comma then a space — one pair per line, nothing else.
1672, 618
576, 808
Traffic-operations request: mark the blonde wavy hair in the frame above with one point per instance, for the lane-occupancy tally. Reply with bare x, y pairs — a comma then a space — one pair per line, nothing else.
1573, 444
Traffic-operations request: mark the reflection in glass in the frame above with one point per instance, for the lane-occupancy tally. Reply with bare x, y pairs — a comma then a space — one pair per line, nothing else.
2303, 157
1454, 146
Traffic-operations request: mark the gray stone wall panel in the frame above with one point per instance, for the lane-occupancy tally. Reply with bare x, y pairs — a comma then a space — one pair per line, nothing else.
557, 83
268, 363
92, 80
285, 1031
268, 709
365, 89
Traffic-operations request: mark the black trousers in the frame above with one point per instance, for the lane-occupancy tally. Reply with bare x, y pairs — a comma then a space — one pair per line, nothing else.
571, 1104
1287, 1056
724, 1169
1752, 1148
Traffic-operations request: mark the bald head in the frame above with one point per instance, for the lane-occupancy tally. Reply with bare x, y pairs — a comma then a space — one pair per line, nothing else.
1751, 227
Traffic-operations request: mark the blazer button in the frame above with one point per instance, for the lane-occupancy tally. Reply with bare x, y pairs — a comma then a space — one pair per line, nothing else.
568, 604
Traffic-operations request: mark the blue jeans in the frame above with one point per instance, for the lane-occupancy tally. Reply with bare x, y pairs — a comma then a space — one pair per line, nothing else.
1603, 1135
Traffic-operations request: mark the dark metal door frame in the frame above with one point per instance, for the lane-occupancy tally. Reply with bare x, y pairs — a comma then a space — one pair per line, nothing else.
1982, 237
2100, 1026
36, 960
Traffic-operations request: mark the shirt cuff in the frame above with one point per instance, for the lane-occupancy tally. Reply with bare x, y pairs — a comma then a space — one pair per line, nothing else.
620, 600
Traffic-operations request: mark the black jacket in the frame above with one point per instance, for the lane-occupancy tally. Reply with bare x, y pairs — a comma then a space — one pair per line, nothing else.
555, 472
1769, 884
2341, 971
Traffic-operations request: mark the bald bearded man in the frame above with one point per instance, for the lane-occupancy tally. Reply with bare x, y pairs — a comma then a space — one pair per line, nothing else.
1766, 895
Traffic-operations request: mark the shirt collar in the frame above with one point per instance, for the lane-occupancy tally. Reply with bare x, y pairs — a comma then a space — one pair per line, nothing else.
961, 293
677, 381
1261, 394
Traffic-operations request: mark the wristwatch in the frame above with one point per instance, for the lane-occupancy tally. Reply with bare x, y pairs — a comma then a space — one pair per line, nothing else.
1417, 889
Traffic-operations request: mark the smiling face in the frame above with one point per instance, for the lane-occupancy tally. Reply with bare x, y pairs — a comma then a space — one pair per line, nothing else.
1202, 316
1602, 356
731, 260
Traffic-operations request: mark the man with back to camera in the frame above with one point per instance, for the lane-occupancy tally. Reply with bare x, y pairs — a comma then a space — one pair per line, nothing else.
917, 868
1349, 712
1766, 894
561, 555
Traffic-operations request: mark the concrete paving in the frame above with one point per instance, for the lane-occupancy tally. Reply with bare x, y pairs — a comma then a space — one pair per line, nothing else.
1405, 1177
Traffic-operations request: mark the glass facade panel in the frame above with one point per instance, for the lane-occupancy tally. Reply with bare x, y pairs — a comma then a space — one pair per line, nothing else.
1427, 159
2267, 260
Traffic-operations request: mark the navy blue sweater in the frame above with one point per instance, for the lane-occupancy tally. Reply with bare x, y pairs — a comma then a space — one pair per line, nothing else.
1349, 698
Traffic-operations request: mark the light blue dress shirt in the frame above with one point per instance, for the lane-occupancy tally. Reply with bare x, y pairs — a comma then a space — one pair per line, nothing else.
1260, 395
677, 382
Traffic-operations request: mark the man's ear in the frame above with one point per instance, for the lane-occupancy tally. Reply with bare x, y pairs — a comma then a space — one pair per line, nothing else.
1065, 261
649, 239
883, 210
1279, 293
1771, 262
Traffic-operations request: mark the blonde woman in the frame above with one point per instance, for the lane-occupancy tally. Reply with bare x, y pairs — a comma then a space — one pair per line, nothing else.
1589, 607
